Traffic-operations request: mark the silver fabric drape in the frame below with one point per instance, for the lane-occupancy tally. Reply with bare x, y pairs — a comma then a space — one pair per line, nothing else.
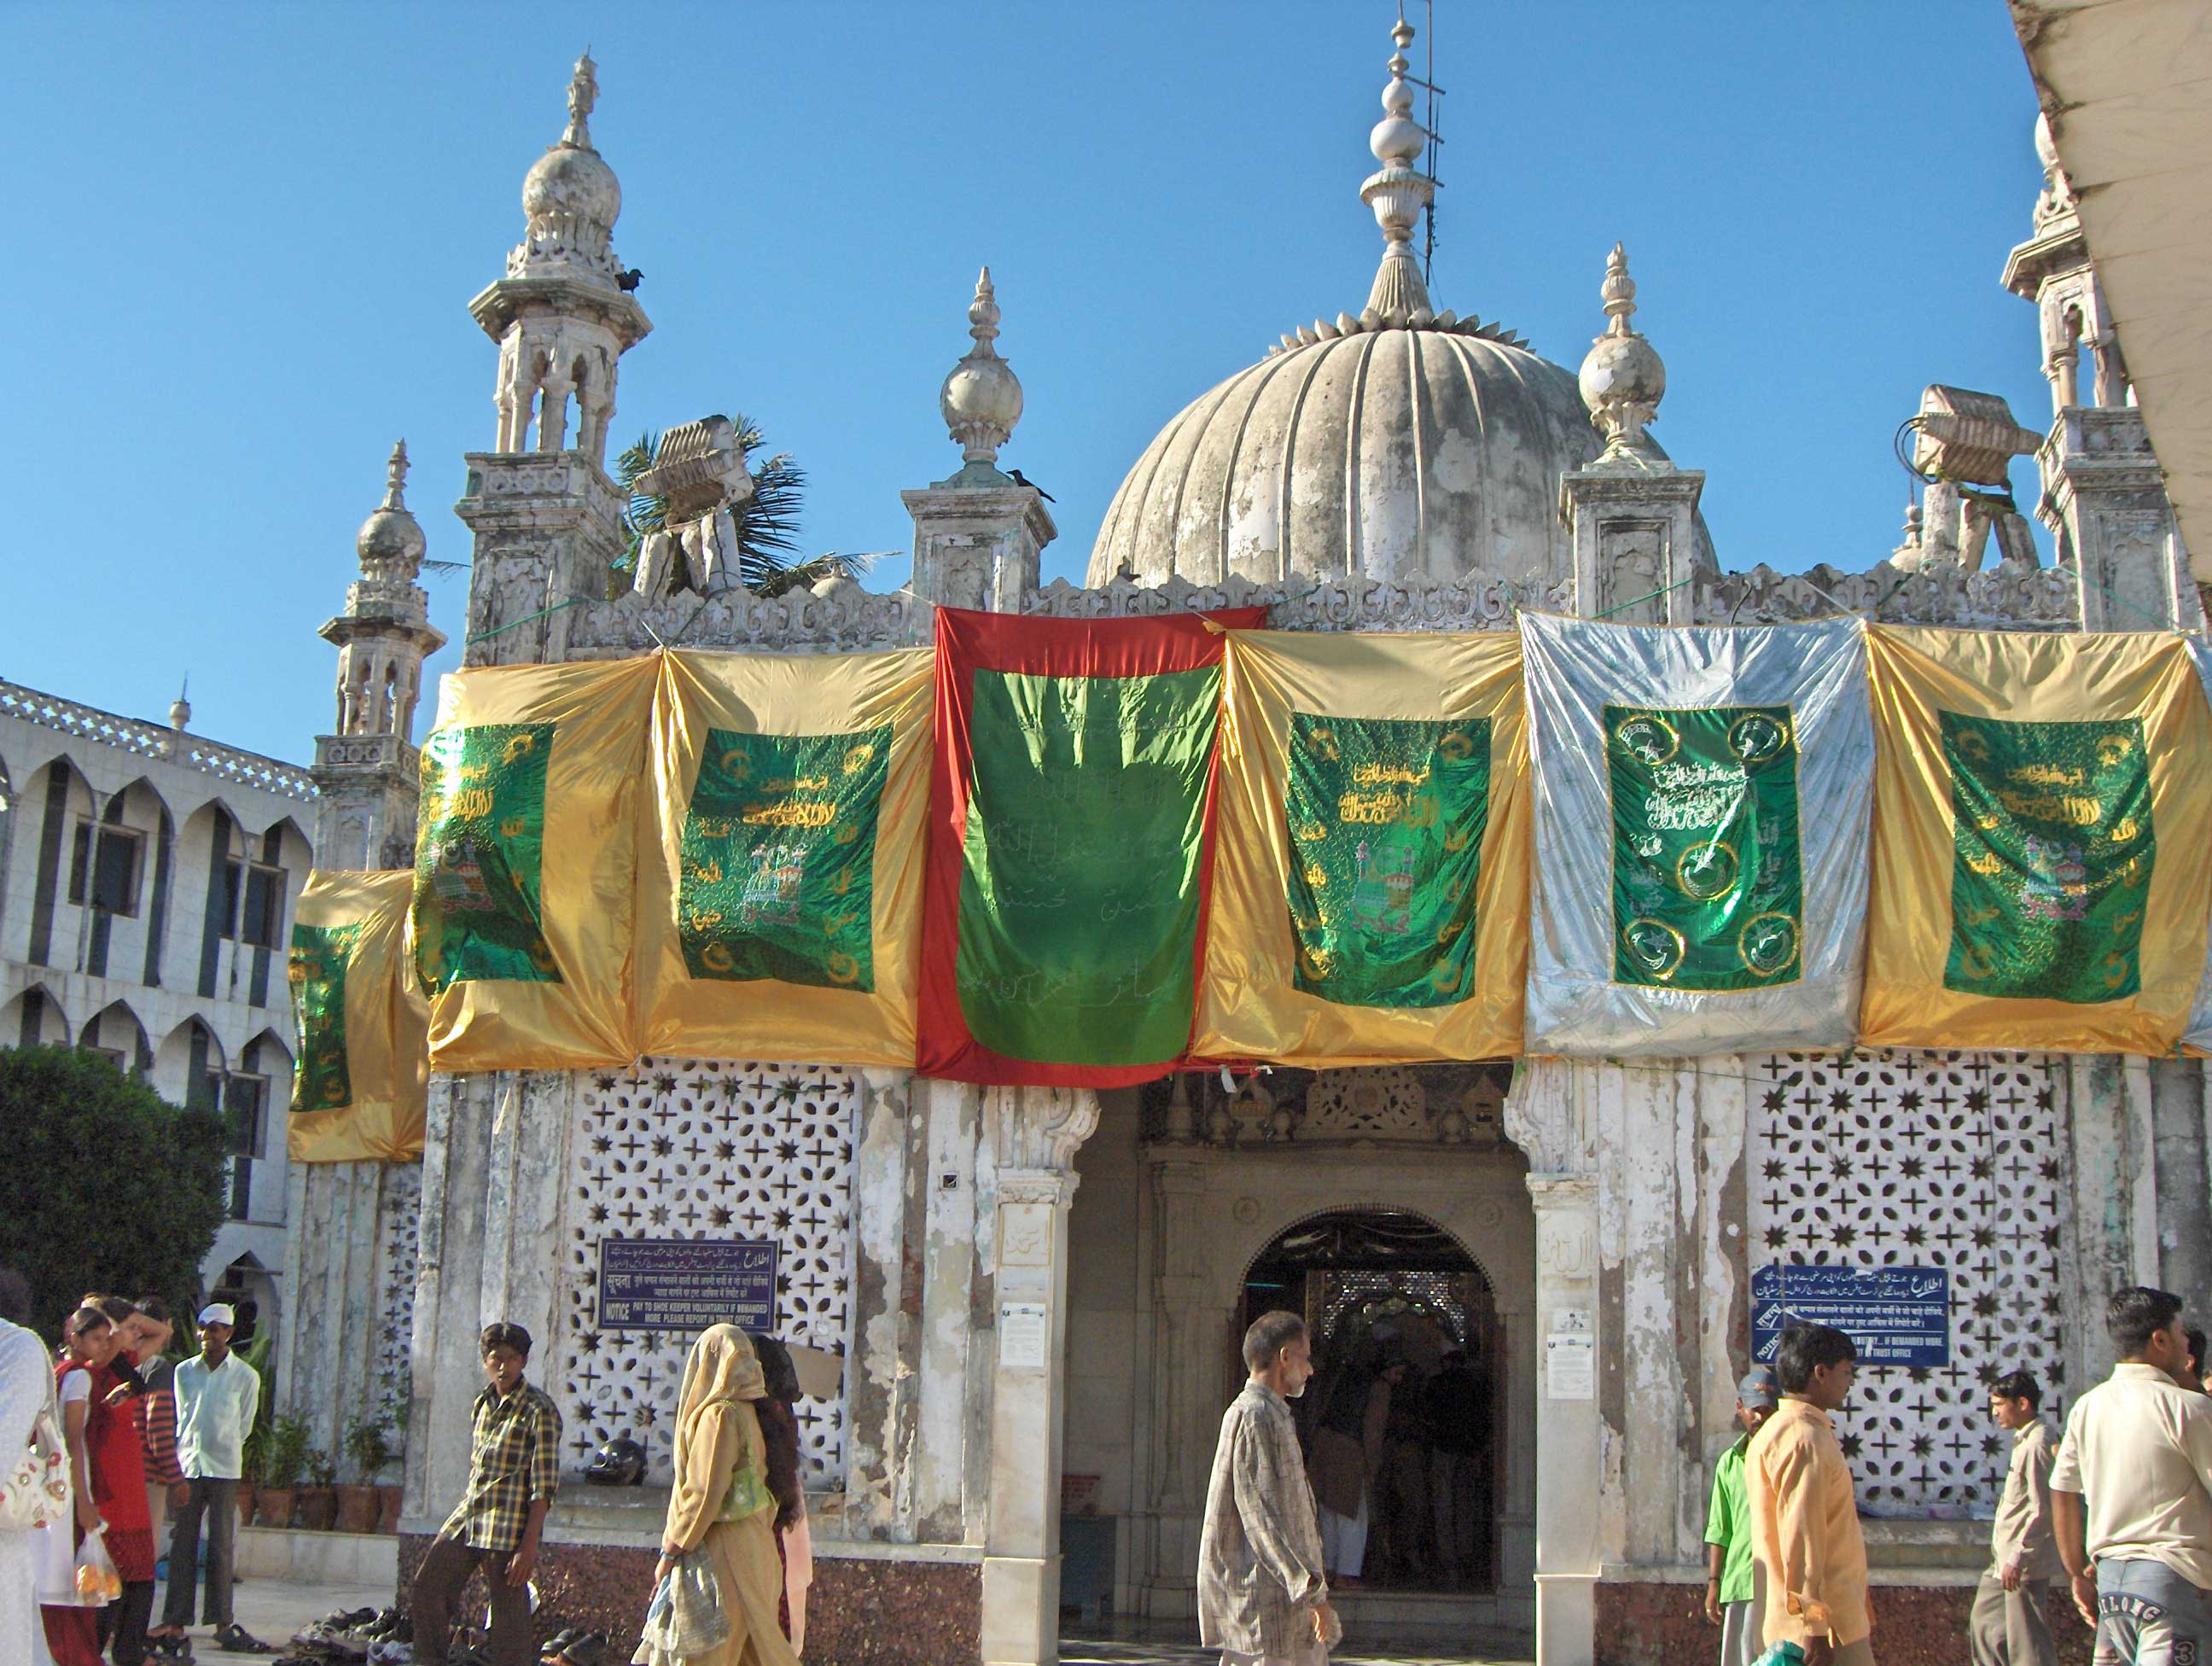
1574, 669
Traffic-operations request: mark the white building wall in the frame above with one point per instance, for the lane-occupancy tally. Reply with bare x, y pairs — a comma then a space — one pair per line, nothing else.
86, 970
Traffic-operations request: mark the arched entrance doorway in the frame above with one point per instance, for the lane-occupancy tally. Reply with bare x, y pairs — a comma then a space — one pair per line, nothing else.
1402, 1422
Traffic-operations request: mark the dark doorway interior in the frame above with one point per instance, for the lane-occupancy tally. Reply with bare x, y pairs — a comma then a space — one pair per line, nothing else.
1402, 1417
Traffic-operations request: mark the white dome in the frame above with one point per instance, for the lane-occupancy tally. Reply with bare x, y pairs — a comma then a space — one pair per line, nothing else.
1384, 453
574, 182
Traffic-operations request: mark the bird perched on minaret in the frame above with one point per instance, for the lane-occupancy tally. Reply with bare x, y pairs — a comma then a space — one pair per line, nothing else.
1021, 479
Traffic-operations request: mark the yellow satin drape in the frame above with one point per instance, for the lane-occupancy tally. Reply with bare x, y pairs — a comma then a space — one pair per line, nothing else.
1250, 1007
602, 716
387, 1024
786, 694
2027, 676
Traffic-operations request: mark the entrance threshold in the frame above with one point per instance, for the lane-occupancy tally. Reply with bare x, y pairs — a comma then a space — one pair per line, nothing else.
1447, 1632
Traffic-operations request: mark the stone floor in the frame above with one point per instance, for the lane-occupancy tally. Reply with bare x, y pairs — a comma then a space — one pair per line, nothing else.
272, 1610
1137, 1643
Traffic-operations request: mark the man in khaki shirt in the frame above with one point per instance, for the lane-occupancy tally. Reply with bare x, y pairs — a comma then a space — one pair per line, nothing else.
1804, 1510
2135, 1471
2008, 1627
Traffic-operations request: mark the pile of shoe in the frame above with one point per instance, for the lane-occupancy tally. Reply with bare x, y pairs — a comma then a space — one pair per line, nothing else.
351, 1634
574, 1647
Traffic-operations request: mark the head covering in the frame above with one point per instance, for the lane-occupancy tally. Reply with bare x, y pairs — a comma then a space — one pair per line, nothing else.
723, 1367
1761, 1390
218, 1313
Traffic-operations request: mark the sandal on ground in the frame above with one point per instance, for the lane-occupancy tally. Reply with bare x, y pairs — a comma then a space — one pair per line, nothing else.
235, 1639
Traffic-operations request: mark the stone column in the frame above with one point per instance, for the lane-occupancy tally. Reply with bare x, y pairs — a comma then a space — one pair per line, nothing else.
2105, 498
1569, 1467
1635, 527
977, 545
1553, 1123
1036, 1132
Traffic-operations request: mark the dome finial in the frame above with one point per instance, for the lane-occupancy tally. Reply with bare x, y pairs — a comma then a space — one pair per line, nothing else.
583, 94
982, 399
395, 475
1398, 195
1622, 379
181, 709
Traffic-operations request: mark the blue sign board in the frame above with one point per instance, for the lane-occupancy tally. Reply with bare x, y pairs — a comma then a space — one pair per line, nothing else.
686, 1284
1896, 1316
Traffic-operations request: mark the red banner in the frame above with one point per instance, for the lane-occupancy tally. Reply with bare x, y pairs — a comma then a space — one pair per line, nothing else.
1071, 845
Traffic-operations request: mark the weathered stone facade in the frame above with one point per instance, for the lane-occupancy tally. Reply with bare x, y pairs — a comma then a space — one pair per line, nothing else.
1628, 1203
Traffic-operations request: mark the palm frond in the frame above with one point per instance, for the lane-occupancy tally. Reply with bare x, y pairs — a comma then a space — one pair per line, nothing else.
805, 574
644, 514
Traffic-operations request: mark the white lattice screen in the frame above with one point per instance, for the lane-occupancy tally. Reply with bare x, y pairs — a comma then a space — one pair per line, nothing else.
1954, 1160
402, 1204
704, 1148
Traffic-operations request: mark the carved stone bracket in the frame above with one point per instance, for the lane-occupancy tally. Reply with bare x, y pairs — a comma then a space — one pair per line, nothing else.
1038, 1129
1549, 1121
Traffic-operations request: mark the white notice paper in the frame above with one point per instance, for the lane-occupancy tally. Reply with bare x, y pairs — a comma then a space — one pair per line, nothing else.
1570, 1366
1021, 1335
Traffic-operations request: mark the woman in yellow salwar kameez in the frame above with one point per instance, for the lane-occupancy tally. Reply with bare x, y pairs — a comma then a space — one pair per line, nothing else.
721, 1500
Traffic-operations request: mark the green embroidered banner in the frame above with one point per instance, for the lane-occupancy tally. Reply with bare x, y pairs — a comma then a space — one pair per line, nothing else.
479, 854
779, 857
1078, 887
1386, 818
1708, 886
2053, 851
316, 970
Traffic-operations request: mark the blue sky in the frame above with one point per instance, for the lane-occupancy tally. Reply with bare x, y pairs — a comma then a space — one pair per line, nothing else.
246, 240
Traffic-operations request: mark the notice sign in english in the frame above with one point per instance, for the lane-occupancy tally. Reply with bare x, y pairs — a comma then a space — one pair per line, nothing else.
686, 1284
1895, 1316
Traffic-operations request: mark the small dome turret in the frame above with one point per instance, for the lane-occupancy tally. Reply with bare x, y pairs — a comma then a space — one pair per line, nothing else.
390, 544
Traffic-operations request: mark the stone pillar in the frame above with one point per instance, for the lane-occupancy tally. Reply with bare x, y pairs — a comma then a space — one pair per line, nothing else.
1635, 527
1186, 1388
370, 790
2105, 498
547, 528
1035, 1131
1570, 1440
977, 546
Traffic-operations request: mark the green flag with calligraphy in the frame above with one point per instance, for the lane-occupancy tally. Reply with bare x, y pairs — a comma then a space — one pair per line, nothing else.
1708, 890
479, 856
779, 852
1386, 818
317, 972
2052, 856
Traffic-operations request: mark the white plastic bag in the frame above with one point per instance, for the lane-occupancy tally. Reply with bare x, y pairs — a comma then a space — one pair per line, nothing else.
98, 1583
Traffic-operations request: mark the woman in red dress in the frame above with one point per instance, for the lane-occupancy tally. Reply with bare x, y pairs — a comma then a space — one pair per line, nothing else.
105, 1452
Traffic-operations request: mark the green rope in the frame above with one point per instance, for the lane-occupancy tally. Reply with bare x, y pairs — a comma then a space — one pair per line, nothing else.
1648, 596
486, 635
2157, 623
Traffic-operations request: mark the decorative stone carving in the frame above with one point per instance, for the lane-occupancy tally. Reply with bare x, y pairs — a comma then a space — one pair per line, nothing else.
1038, 1127
1548, 1120
1622, 379
848, 620
1954, 1160
1386, 1104
982, 398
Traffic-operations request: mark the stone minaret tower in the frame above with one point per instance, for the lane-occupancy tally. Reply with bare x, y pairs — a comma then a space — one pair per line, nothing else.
547, 518
366, 769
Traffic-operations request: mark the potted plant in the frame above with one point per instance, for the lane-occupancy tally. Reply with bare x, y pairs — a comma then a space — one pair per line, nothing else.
319, 1498
284, 1461
368, 1451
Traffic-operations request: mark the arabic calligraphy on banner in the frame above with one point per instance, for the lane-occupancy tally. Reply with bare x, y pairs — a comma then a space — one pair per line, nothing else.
1079, 888
1894, 1315
1708, 888
779, 855
2053, 852
316, 970
1386, 818
479, 856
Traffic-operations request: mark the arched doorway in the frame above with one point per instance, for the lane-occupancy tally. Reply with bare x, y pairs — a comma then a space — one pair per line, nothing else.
1401, 1423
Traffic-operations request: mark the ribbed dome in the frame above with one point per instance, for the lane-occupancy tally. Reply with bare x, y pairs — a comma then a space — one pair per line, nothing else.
1384, 453
390, 537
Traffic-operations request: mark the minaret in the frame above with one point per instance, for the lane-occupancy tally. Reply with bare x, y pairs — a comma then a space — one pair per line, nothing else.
978, 534
547, 519
366, 770
2104, 496
1633, 514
